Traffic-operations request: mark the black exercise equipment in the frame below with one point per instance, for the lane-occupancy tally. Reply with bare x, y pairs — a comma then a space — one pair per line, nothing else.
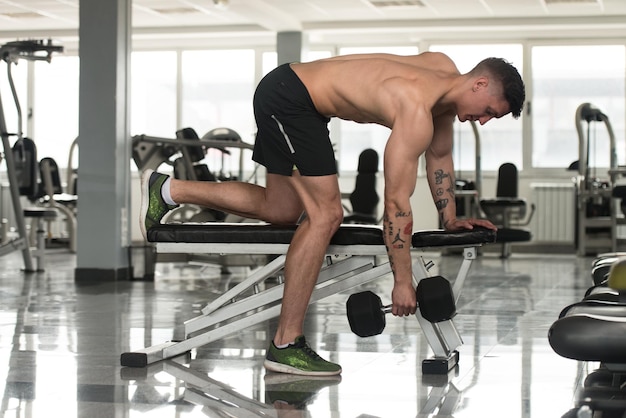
11, 53
366, 313
435, 299
597, 197
25, 156
364, 199
595, 328
507, 210
52, 195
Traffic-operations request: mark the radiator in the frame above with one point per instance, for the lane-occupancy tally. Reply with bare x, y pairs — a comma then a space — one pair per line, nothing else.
555, 212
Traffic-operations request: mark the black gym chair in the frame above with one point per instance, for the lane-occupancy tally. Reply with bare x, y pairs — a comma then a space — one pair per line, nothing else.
364, 199
25, 157
507, 210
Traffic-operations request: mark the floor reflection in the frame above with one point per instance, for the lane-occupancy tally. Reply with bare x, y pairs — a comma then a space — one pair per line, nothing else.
60, 346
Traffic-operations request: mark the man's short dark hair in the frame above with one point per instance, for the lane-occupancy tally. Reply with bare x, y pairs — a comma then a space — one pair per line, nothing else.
507, 75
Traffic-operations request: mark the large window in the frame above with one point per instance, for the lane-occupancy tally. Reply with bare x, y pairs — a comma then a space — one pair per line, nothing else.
55, 107
500, 139
563, 78
217, 90
153, 93
354, 137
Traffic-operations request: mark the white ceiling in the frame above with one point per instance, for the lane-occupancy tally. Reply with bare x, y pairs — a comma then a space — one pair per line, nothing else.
410, 19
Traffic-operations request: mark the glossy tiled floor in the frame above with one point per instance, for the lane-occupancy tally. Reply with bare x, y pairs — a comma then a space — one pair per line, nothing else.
60, 346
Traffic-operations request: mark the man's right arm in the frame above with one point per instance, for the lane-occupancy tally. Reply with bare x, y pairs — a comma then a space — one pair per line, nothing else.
406, 143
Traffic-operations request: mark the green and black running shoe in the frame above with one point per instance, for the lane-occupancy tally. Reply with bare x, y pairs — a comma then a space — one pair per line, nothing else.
299, 358
153, 208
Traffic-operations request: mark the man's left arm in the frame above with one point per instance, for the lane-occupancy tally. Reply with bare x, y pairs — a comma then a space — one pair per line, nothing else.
440, 173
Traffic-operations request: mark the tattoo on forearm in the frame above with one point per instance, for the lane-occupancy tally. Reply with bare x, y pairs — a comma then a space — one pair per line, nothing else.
397, 241
445, 190
440, 175
394, 234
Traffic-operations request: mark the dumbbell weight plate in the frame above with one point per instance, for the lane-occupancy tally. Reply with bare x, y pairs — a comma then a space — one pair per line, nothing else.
435, 299
365, 314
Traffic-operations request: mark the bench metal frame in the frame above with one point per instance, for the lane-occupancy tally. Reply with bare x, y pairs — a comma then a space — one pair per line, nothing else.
345, 267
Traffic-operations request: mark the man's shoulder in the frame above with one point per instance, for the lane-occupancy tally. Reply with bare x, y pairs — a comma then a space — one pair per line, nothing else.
437, 61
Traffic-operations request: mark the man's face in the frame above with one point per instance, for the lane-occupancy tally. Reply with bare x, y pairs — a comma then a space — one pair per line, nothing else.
482, 103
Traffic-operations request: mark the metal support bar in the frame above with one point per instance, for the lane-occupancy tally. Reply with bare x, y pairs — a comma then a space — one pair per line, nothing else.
266, 297
147, 356
258, 276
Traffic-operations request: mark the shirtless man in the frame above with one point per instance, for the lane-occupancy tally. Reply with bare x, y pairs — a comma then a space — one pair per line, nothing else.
417, 97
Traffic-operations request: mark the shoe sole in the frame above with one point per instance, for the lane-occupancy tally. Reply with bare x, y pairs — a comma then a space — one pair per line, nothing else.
145, 201
283, 368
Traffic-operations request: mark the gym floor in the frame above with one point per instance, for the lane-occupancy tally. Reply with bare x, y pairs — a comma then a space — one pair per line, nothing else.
60, 346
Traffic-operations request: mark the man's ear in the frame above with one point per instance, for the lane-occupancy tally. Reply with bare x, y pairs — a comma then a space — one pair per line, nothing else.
480, 83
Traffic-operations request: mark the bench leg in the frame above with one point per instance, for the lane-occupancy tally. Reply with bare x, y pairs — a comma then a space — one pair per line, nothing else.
39, 250
442, 337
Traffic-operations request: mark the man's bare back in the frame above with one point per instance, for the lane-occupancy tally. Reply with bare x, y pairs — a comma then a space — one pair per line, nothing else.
369, 88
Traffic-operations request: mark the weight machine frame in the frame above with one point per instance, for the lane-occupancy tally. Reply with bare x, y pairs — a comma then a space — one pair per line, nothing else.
11, 53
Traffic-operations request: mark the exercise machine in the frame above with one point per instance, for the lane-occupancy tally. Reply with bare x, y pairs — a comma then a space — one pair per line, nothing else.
594, 330
507, 211
597, 209
150, 152
352, 259
11, 53
184, 155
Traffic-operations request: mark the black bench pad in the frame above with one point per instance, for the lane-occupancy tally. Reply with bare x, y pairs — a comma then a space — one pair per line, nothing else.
501, 203
588, 337
513, 235
261, 233
441, 238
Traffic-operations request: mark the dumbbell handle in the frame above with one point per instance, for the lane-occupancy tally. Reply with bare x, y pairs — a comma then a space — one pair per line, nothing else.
386, 309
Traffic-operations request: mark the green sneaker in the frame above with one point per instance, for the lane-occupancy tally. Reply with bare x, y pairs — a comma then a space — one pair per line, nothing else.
153, 208
299, 359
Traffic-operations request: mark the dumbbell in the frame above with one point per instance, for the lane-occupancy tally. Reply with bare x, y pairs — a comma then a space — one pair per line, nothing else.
366, 313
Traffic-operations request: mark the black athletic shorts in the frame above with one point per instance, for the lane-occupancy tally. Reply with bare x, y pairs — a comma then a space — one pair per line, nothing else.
291, 132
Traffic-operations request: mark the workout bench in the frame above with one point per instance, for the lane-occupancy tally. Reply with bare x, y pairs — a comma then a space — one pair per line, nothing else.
351, 261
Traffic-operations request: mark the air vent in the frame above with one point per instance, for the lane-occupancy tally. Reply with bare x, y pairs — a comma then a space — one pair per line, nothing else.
21, 15
397, 3
176, 11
